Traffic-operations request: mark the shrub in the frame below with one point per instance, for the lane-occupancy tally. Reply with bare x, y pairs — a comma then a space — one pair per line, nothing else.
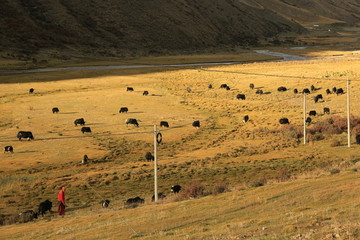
220, 188
283, 175
193, 190
335, 143
292, 131
258, 183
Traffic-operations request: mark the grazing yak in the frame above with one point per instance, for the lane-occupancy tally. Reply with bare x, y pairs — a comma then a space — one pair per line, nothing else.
224, 85
357, 139
308, 120
129, 89
334, 89
31, 90
160, 196
318, 97
45, 206
227, 88
105, 203
326, 110
149, 156
210, 86
306, 91
339, 91
8, 149
313, 88
132, 121
188, 89
284, 121
123, 110
252, 86
296, 91
241, 96
79, 121
135, 201
245, 118
164, 124
55, 110
25, 134
312, 113
259, 91
85, 129
175, 188
196, 124
145, 93
85, 159
282, 89
328, 91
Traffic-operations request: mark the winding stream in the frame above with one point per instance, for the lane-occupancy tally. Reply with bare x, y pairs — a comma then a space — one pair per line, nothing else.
286, 57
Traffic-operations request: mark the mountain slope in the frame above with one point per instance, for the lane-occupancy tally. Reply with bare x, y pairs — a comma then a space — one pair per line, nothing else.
122, 27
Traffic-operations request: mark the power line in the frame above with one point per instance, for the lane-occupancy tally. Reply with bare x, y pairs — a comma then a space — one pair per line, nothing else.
274, 75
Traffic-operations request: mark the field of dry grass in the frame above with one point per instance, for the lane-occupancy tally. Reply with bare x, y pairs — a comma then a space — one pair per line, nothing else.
223, 150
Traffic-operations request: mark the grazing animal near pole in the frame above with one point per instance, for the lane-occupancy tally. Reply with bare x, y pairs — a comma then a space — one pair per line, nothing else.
160, 196
296, 91
339, 91
145, 93
132, 121
164, 124
252, 86
306, 91
175, 188
284, 121
312, 113
308, 120
149, 156
129, 89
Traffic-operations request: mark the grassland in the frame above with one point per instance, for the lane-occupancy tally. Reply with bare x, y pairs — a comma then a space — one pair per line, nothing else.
223, 150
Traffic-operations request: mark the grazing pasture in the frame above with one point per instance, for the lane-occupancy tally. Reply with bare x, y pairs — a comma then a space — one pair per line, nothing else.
223, 149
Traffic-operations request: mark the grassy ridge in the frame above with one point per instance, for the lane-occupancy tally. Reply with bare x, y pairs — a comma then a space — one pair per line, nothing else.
311, 208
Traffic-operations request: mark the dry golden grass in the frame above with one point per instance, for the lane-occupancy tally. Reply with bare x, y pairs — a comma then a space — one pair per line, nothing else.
224, 150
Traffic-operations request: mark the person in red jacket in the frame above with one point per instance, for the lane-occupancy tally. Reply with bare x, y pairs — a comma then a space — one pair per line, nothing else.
61, 199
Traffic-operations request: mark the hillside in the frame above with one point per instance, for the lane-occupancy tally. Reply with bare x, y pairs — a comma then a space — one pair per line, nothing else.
323, 208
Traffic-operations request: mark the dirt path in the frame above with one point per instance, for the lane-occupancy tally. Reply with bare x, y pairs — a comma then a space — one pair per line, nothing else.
286, 57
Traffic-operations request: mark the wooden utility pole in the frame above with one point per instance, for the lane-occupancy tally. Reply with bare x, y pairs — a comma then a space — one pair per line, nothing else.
304, 118
155, 165
348, 112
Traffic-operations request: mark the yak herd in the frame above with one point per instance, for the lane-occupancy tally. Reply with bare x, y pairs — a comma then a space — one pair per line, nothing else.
47, 205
